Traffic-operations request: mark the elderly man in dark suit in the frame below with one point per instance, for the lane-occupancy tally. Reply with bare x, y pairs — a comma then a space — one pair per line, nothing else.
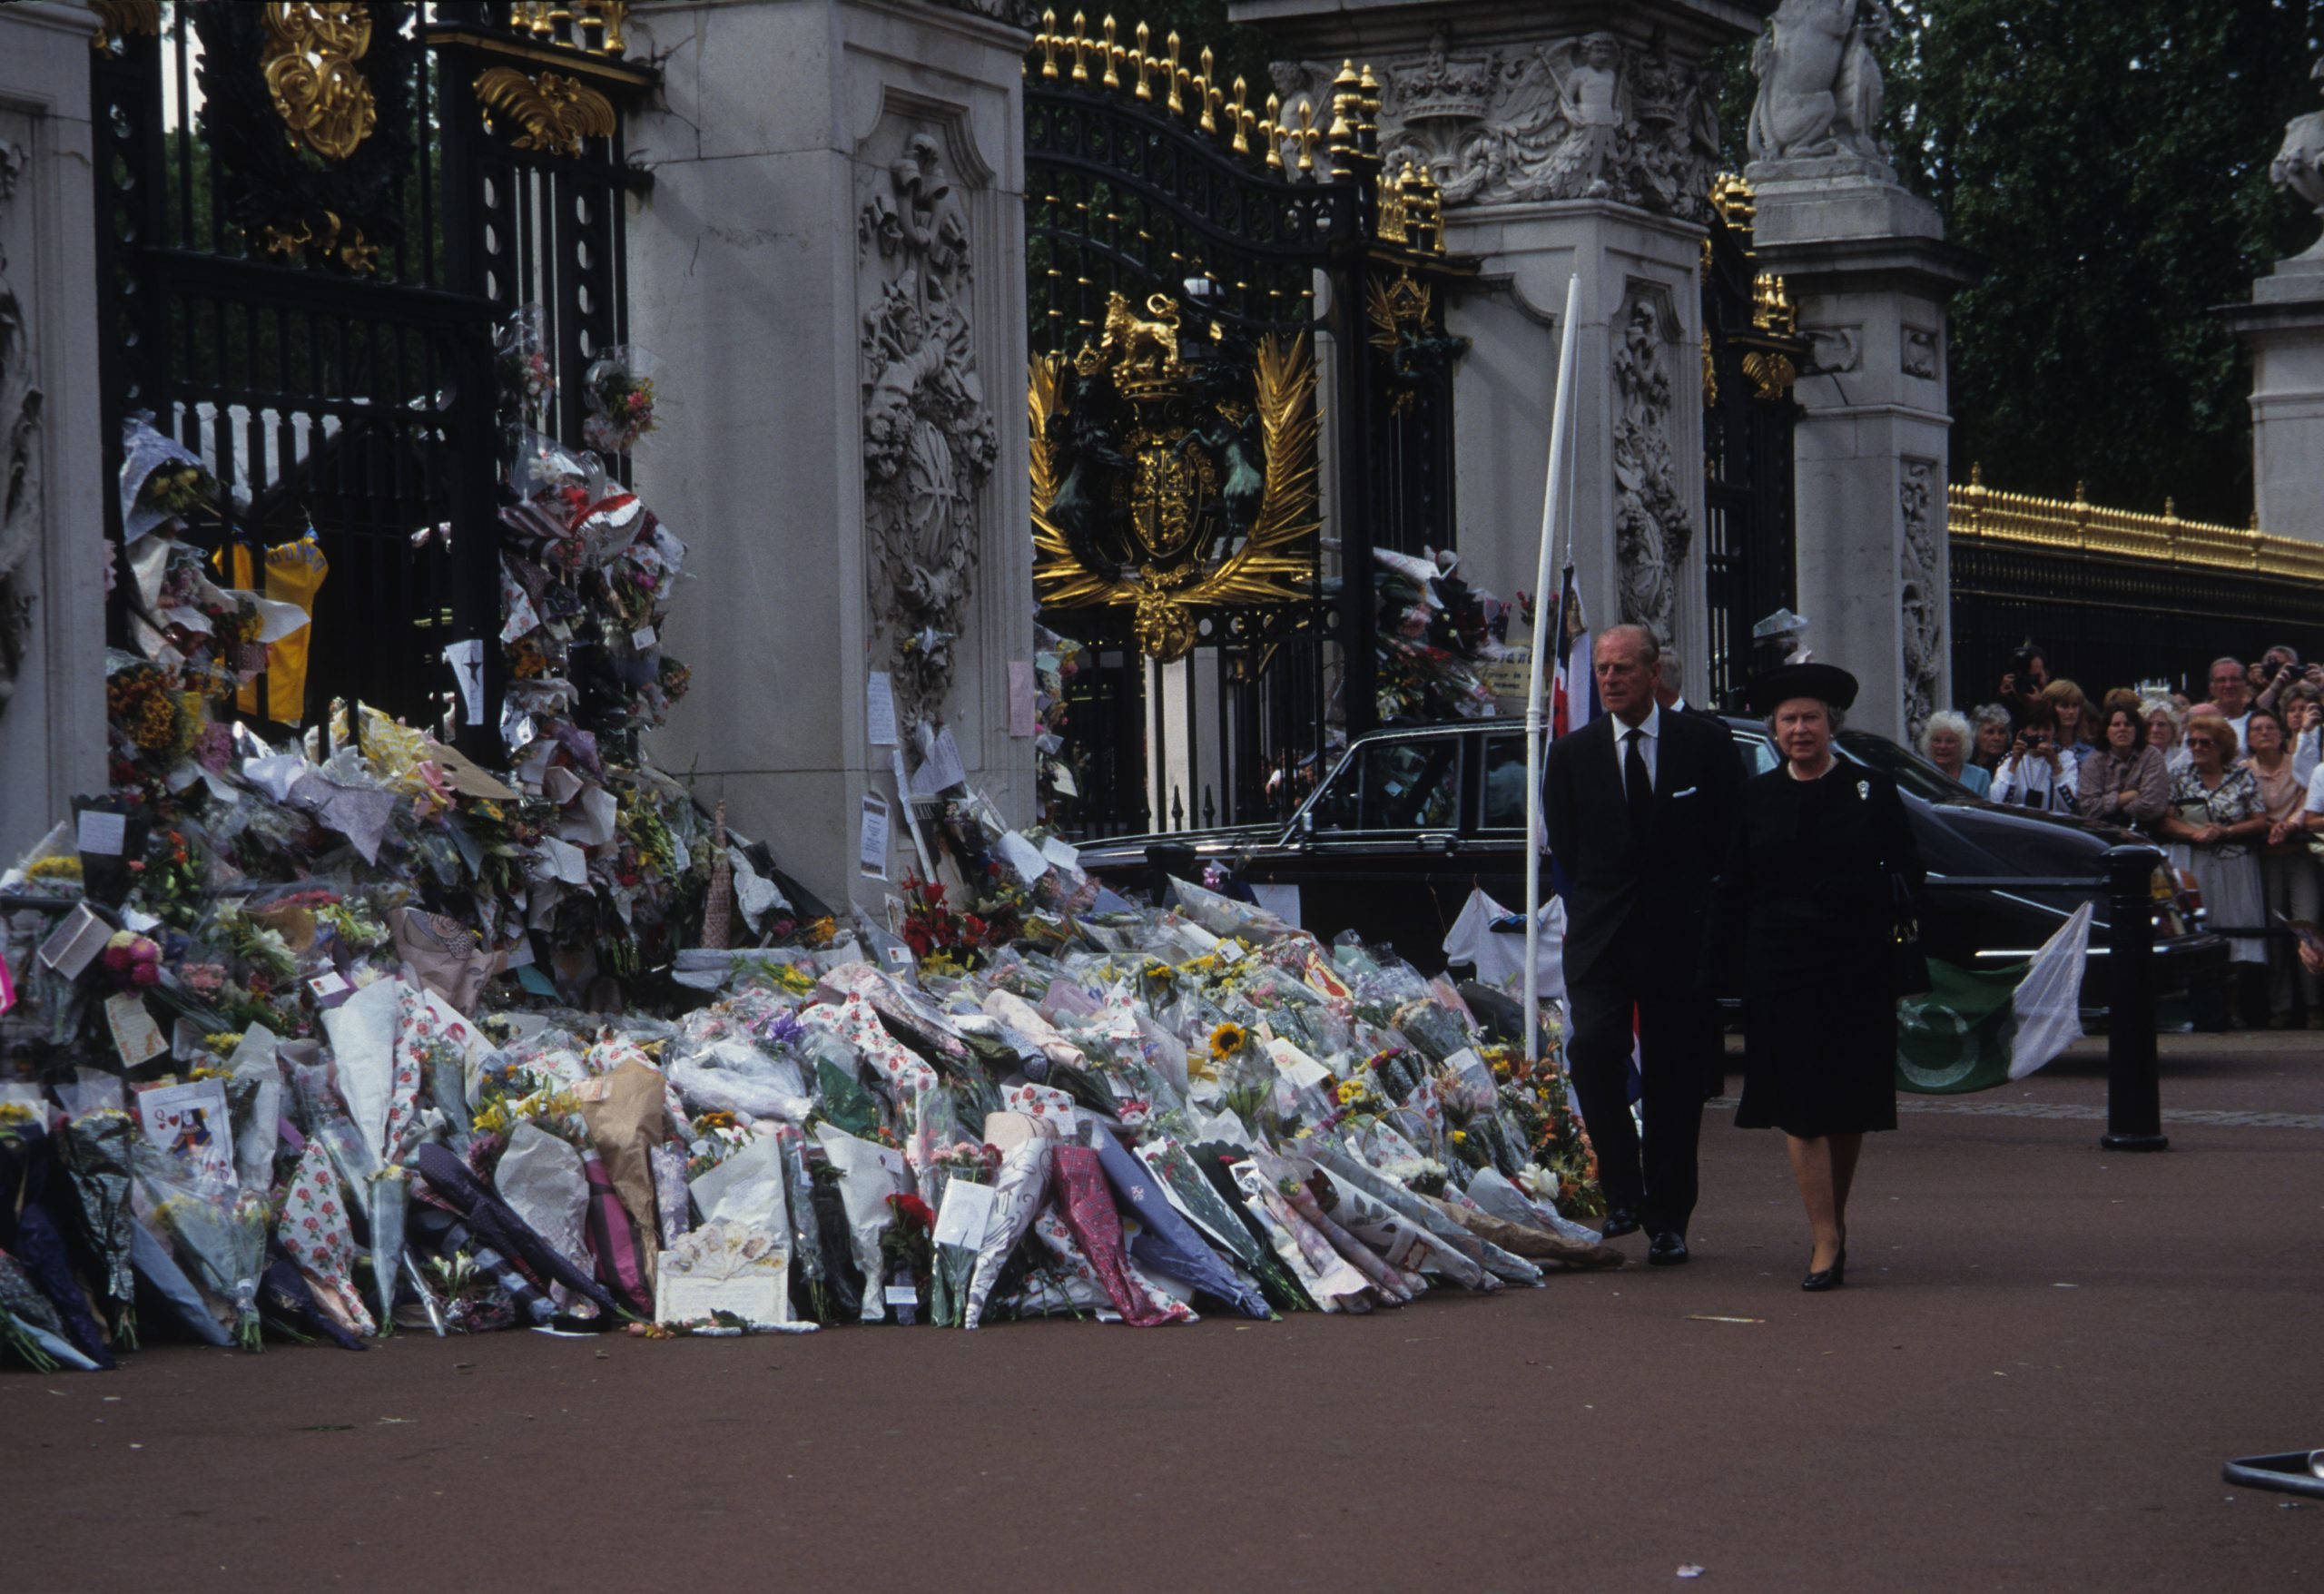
1641, 803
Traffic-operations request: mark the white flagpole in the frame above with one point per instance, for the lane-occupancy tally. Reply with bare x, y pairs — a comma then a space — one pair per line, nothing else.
1553, 490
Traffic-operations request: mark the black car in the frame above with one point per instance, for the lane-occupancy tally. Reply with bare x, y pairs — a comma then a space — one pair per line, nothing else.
1408, 822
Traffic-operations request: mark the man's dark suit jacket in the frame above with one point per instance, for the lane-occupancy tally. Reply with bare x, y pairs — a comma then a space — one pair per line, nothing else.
1661, 888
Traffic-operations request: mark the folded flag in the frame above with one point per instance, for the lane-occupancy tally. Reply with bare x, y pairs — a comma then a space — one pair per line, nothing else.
1977, 1028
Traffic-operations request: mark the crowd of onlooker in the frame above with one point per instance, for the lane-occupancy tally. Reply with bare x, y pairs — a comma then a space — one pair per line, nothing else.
2230, 785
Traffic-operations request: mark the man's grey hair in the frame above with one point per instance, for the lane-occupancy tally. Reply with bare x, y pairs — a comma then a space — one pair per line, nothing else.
2233, 664
1945, 719
1671, 667
1648, 648
2291, 654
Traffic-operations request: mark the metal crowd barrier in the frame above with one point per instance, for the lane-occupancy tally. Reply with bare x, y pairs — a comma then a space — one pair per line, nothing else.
2133, 1067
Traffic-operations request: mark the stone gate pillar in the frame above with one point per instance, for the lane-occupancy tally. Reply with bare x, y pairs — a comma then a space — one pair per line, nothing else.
51, 461
829, 267
1866, 266
1572, 139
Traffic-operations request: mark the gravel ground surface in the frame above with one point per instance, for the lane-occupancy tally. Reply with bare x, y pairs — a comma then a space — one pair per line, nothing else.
2043, 1356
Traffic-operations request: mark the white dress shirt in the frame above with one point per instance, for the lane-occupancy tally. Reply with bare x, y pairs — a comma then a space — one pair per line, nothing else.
1649, 738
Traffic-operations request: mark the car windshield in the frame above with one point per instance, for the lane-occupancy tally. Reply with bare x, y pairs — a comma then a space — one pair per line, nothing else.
1910, 773
1397, 786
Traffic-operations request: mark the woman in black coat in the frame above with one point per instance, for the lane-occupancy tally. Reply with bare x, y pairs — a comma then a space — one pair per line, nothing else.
1812, 900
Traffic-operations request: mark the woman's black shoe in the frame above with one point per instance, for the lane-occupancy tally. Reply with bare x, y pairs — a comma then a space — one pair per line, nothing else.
1830, 1278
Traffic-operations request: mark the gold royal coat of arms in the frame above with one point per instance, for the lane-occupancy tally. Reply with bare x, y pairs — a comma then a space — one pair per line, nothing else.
1173, 470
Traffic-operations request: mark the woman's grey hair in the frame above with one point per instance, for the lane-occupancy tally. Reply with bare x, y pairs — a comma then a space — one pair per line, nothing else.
2166, 708
1945, 719
1832, 717
1993, 713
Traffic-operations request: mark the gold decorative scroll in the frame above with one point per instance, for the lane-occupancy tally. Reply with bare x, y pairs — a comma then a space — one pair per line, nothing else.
555, 112
309, 60
1170, 582
117, 19
344, 243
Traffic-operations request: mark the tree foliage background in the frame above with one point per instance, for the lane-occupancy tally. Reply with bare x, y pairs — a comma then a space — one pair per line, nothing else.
2109, 161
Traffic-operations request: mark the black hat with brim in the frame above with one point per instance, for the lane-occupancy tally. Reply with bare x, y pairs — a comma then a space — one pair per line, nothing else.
1827, 683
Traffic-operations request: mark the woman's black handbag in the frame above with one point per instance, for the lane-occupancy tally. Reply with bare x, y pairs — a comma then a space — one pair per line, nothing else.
1911, 966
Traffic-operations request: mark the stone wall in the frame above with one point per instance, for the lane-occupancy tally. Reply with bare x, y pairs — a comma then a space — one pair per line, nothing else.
52, 518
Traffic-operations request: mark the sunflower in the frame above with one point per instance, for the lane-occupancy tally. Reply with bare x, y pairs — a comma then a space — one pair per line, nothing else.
1227, 1040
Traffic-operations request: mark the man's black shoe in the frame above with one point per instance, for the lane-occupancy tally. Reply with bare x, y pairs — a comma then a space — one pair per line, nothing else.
1667, 1250
1621, 1221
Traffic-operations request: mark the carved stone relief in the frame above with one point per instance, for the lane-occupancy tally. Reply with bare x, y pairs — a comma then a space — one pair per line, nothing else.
20, 407
930, 440
1919, 354
1920, 592
1834, 351
1587, 117
1652, 528
1820, 87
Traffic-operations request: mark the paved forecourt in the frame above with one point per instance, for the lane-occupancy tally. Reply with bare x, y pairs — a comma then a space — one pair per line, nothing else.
2042, 1355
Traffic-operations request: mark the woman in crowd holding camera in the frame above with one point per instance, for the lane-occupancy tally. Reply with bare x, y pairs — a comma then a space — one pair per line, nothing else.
2214, 823
1944, 742
2287, 873
2125, 782
2037, 774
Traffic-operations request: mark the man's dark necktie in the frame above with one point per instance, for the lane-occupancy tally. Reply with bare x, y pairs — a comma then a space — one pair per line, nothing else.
1636, 786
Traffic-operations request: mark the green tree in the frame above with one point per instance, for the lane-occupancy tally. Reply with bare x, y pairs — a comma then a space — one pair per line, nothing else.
2109, 161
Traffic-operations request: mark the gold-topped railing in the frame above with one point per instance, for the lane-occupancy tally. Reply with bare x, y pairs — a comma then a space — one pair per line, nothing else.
594, 26
1984, 514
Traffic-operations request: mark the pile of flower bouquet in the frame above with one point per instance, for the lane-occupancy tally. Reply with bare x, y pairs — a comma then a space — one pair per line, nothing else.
1127, 1112
349, 1035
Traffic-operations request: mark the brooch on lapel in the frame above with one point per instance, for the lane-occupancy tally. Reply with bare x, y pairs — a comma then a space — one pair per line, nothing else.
1863, 791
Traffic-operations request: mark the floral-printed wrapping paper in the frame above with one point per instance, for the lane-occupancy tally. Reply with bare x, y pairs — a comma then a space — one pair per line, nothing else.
1069, 1282
1018, 1190
852, 1020
314, 1231
1039, 1103
1096, 1223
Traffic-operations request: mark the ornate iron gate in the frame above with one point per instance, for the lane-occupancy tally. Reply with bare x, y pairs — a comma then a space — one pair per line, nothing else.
312, 217
1202, 271
1752, 355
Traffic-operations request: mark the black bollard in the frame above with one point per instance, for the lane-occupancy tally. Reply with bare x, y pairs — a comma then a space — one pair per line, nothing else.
2134, 1072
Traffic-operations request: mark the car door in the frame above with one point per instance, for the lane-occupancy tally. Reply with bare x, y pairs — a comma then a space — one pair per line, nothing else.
1383, 857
